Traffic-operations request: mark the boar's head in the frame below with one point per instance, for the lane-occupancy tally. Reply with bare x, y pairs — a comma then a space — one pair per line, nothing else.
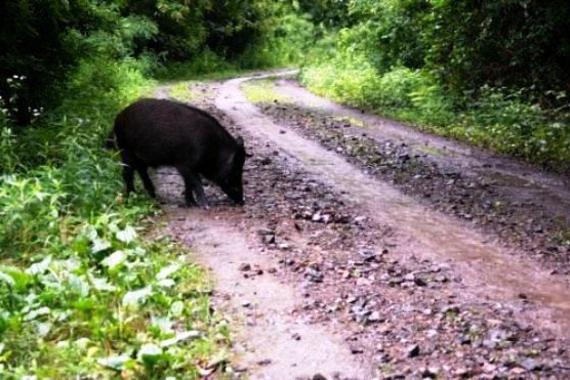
232, 183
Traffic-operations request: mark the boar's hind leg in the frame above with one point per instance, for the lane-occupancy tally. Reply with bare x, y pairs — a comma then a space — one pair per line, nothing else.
128, 171
128, 177
149, 187
130, 164
193, 184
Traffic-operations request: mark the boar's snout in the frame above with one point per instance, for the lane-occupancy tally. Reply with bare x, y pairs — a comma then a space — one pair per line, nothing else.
235, 192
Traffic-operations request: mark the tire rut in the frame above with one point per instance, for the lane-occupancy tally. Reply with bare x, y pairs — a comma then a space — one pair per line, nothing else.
329, 244
523, 206
489, 271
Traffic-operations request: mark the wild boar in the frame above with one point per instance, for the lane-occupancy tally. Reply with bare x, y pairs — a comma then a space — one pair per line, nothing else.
155, 132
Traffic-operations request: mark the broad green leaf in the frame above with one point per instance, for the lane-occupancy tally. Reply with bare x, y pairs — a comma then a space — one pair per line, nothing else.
100, 245
167, 271
177, 308
163, 323
181, 337
7, 279
114, 362
101, 284
149, 353
135, 297
127, 235
79, 285
40, 267
114, 259
37, 313
166, 283
43, 328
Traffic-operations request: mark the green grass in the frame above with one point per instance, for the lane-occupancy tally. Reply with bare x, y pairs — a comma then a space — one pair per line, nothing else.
83, 291
183, 92
263, 90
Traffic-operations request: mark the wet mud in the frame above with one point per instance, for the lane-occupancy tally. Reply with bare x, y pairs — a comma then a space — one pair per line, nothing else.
324, 255
520, 205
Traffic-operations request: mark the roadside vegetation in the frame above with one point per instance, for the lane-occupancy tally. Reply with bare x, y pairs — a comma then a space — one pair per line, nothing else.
493, 74
84, 292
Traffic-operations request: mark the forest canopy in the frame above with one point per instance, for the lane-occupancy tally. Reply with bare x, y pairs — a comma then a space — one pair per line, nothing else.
465, 45
42, 42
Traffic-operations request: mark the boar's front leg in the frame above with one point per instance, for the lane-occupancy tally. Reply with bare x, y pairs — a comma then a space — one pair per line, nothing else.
193, 184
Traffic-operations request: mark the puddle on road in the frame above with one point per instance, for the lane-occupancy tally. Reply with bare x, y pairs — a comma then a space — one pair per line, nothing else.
488, 270
508, 180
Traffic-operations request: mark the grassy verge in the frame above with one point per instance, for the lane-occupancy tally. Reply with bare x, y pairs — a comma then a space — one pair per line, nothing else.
83, 293
183, 92
497, 120
262, 90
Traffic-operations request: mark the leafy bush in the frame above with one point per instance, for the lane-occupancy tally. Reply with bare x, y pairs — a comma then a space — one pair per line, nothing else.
204, 63
415, 60
511, 124
55, 37
498, 119
99, 298
287, 38
82, 292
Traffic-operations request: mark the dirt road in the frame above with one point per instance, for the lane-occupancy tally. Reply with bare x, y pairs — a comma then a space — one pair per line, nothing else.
339, 270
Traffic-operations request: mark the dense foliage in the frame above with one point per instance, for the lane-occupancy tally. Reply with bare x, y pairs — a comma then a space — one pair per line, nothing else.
490, 72
42, 42
82, 292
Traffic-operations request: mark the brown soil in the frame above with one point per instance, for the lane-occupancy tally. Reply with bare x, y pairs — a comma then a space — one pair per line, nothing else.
331, 270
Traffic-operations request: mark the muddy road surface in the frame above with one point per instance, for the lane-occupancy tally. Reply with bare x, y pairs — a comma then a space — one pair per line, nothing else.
333, 269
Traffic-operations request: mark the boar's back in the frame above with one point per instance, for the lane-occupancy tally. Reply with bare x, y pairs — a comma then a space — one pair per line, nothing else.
163, 132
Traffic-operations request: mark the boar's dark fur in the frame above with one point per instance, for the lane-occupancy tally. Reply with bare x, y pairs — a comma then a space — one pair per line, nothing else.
153, 132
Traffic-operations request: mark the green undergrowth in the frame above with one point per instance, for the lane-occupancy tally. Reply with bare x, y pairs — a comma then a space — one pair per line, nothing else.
263, 90
83, 292
205, 66
183, 92
496, 119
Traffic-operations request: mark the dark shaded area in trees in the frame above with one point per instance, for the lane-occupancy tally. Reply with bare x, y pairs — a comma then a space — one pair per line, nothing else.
513, 43
517, 44
44, 40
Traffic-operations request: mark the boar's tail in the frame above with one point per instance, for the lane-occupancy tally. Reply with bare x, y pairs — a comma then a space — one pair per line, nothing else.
110, 141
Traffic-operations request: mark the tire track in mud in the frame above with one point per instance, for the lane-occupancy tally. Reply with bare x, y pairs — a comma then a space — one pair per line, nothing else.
274, 339
484, 265
355, 274
525, 207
